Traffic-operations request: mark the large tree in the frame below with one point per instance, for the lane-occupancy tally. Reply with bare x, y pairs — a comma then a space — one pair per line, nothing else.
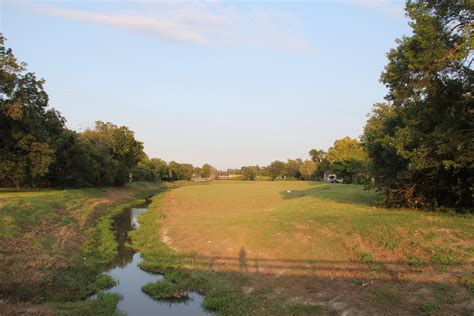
292, 168
276, 169
206, 170
308, 169
249, 173
119, 144
348, 159
421, 144
28, 128
74, 164
320, 158
180, 171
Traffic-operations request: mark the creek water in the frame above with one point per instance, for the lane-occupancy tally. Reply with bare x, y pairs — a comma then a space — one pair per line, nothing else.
130, 278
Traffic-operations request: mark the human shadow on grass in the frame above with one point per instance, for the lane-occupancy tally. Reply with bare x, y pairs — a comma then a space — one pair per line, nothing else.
341, 193
337, 286
366, 267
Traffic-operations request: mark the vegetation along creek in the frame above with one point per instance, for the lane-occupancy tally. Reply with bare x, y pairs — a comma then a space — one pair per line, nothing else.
130, 278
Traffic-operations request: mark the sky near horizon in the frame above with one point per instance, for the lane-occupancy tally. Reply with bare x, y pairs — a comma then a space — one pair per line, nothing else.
226, 83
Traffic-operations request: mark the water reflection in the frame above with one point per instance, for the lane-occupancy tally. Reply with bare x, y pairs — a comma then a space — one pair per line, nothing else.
131, 278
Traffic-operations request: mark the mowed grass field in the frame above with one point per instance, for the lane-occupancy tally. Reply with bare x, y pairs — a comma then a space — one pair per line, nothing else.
330, 245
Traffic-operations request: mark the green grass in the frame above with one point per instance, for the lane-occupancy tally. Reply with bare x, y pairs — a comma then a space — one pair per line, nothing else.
306, 310
165, 289
227, 301
428, 308
104, 305
413, 261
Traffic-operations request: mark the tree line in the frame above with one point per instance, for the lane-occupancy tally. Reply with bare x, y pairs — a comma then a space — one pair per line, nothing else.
346, 158
156, 169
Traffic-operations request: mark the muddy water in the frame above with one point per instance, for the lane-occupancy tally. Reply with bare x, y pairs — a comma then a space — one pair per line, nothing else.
131, 278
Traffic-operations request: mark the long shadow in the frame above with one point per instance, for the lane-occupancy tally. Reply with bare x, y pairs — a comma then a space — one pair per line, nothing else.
343, 286
341, 193
243, 263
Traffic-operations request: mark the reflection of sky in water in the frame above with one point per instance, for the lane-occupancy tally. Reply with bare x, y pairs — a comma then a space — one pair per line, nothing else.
136, 212
131, 278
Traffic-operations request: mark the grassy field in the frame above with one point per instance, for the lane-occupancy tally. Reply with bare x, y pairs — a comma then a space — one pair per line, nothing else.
303, 248
252, 247
54, 245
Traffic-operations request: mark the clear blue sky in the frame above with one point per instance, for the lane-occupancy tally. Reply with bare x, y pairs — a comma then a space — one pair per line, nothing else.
228, 83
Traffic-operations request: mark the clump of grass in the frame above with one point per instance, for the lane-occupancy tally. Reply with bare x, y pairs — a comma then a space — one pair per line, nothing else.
178, 277
431, 236
388, 242
164, 289
365, 256
368, 258
445, 259
428, 308
105, 304
174, 286
306, 310
103, 282
413, 261
468, 282
227, 301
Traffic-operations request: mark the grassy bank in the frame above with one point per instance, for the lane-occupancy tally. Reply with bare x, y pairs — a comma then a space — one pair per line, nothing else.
302, 248
55, 244
222, 290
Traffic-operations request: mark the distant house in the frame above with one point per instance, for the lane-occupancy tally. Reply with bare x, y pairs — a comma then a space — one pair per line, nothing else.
228, 177
197, 178
330, 176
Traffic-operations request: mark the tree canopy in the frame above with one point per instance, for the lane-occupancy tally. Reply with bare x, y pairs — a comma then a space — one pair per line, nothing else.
249, 173
420, 144
308, 169
276, 169
37, 149
348, 159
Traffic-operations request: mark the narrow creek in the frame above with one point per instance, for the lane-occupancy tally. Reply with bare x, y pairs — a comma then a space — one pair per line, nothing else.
130, 278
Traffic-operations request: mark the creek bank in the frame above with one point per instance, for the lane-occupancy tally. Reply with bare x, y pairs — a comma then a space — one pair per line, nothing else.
130, 279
